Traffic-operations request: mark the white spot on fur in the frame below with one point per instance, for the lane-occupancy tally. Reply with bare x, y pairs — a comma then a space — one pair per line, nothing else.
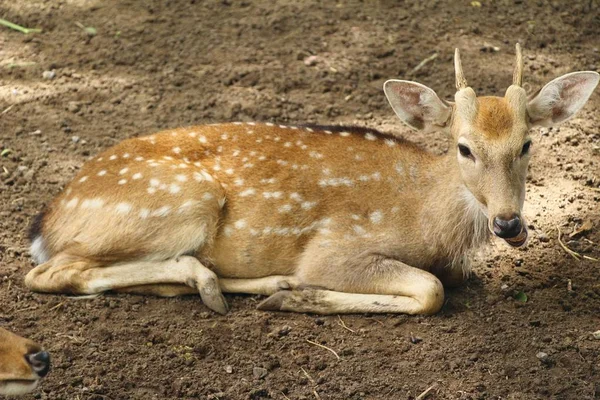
144, 213
202, 139
285, 208
181, 178
344, 133
151, 190
72, 203
136, 176
162, 211
229, 171
295, 196
307, 205
123, 171
336, 182
122, 181
370, 136
390, 142
414, 172
102, 173
174, 189
83, 179
248, 192
113, 157
399, 168
359, 230
95, 203
376, 217
139, 158
207, 196
316, 155
267, 181
238, 182
272, 195
240, 224
176, 150
123, 208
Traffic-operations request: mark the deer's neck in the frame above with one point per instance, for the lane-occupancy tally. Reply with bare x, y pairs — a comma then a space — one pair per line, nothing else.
452, 220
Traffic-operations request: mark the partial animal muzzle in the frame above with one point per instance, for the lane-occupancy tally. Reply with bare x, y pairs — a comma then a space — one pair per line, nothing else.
507, 228
510, 229
40, 362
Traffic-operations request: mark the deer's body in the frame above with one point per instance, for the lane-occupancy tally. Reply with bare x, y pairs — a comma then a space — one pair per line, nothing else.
22, 364
352, 219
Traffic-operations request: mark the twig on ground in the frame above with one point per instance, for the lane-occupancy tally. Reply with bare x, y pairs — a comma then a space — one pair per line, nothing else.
343, 325
59, 305
7, 109
324, 347
316, 395
572, 253
27, 309
19, 28
423, 63
287, 398
308, 376
569, 285
426, 393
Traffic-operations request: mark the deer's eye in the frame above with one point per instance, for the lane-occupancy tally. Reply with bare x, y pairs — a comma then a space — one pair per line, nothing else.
465, 151
525, 148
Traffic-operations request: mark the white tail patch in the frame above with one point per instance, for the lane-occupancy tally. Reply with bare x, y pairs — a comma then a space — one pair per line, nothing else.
38, 250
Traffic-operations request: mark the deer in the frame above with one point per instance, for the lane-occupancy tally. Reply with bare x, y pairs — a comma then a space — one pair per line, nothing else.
23, 363
321, 219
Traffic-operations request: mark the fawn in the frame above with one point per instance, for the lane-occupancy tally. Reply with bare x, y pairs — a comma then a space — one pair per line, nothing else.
321, 219
22, 364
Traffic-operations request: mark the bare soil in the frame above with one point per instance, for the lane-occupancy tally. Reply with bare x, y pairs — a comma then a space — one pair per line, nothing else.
157, 64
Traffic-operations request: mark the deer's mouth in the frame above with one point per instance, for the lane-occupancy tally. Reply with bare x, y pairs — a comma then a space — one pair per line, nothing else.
518, 240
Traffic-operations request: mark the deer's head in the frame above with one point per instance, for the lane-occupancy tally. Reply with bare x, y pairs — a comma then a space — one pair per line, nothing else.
491, 134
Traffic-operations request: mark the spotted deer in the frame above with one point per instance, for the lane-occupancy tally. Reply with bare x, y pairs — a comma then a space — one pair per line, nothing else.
22, 364
320, 219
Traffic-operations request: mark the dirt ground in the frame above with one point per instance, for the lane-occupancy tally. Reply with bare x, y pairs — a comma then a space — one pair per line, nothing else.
153, 64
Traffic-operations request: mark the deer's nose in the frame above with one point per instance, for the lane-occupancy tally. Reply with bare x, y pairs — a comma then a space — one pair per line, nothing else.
40, 362
507, 227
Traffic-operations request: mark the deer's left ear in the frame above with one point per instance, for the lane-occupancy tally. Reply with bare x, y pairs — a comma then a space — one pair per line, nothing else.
416, 105
560, 99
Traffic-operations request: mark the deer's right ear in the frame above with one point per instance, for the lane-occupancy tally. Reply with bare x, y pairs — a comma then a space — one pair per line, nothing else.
416, 105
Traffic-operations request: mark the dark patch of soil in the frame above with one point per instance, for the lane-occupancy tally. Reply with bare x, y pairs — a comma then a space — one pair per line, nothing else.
156, 64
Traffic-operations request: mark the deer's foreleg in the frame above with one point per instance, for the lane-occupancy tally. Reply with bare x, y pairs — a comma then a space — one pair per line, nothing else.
384, 286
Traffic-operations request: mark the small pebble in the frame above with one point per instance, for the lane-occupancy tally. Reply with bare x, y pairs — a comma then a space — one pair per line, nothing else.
543, 357
596, 335
259, 372
49, 74
229, 369
311, 60
543, 238
75, 139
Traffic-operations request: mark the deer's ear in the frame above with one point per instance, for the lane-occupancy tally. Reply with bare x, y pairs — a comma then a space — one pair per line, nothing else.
561, 98
416, 105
